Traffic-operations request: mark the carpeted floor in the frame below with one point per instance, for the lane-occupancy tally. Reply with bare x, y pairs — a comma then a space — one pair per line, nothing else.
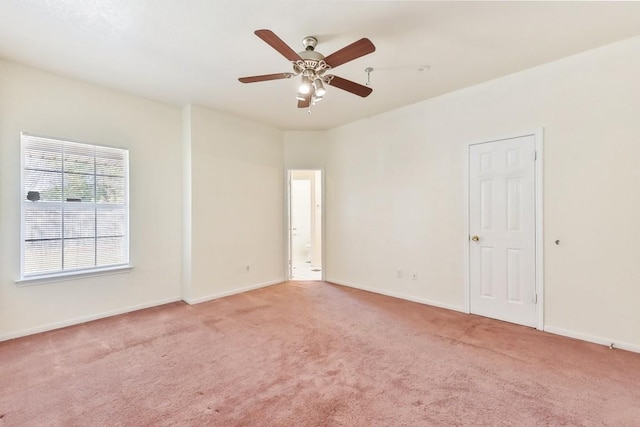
312, 354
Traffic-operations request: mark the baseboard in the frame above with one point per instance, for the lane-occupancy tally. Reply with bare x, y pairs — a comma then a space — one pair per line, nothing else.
83, 319
399, 295
206, 298
593, 339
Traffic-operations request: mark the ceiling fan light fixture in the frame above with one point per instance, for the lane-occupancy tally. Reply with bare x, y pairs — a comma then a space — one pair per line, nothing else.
305, 85
318, 87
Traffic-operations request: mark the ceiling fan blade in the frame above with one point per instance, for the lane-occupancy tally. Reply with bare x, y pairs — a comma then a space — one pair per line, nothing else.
306, 102
265, 77
349, 86
276, 42
349, 53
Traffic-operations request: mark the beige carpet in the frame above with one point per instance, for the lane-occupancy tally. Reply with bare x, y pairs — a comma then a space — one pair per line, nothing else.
312, 354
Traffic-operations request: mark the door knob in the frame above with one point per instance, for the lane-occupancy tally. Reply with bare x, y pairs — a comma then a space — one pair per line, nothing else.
475, 238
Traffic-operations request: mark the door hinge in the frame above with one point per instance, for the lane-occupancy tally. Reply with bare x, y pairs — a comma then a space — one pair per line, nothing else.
535, 298
535, 155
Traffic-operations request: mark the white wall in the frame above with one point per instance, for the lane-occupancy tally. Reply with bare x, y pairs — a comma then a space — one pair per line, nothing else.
395, 190
44, 104
236, 205
304, 149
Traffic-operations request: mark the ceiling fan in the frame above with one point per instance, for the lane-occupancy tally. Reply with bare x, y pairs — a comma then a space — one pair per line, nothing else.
312, 66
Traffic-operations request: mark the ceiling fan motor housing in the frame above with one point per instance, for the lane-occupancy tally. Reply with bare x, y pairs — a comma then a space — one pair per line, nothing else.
312, 61
312, 64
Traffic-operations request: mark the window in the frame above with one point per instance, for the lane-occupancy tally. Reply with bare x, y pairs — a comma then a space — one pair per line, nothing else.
75, 207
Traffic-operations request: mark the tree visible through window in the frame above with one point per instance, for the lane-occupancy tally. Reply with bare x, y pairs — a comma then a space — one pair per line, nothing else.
75, 206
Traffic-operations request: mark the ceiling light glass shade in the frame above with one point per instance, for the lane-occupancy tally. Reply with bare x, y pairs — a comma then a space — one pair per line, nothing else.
315, 99
319, 88
305, 86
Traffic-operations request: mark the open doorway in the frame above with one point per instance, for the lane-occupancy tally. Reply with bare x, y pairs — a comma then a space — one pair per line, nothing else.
305, 225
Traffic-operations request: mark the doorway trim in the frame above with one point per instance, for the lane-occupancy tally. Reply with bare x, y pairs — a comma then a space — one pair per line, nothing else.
538, 135
288, 225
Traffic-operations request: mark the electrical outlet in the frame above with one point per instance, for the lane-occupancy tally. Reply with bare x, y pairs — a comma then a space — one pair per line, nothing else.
414, 276
399, 274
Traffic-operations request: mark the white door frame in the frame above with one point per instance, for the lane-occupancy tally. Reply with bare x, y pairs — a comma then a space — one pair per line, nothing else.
538, 135
287, 230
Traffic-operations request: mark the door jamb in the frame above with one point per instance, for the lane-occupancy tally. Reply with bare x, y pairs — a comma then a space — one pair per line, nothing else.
538, 135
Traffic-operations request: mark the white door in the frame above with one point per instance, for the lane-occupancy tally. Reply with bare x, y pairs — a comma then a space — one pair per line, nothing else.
502, 230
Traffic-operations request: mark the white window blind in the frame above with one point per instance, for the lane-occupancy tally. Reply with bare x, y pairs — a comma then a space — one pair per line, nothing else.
75, 210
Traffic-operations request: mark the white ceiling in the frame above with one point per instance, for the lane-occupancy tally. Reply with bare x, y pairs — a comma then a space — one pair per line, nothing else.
193, 51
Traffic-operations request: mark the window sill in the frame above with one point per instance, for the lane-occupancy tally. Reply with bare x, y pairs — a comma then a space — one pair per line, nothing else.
73, 275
